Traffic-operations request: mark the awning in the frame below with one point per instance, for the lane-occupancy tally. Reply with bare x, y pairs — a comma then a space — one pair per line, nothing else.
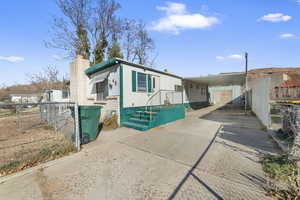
220, 79
99, 77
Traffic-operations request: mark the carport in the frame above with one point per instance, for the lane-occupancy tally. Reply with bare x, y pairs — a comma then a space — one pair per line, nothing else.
223, 88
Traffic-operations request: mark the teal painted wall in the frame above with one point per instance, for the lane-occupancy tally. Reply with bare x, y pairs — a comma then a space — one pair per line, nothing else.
164, 115
169, 114
236, 93
196, 105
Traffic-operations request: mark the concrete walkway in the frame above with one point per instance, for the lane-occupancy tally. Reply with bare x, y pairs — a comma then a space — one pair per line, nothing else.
212, 156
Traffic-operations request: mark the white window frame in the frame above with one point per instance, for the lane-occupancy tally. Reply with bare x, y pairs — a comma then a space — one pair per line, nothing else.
138, 87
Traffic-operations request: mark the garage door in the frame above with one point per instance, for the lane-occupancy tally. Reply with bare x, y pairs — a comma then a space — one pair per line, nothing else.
223, 96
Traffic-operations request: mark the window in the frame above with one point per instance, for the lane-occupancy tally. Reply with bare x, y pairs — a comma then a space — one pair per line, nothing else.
99, 92
102, 90
141, 82
153, 83
65, 94
178, 88
191, 86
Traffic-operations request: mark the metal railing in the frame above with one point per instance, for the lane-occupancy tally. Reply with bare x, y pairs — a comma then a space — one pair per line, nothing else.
163, 98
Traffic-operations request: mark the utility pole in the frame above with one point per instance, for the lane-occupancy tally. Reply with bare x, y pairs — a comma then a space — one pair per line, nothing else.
246, 86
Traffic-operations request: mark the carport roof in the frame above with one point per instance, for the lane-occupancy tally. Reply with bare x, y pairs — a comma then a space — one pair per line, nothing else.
223, 79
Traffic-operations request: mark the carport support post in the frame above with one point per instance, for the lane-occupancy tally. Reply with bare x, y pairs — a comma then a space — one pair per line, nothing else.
246, 87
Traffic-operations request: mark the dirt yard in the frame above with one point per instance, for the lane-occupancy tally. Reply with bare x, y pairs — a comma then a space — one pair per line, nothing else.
28, 142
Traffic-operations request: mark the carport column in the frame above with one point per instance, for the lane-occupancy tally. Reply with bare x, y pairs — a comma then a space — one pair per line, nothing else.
79, 81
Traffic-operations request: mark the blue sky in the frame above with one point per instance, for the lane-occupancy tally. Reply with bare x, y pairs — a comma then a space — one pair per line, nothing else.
195, 37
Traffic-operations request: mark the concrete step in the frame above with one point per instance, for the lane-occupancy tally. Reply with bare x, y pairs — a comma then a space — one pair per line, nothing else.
139, 121
136, 126
146, 112
141, 116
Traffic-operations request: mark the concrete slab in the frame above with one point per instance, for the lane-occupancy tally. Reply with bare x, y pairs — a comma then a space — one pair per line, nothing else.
201, 185
183, 144
129, 164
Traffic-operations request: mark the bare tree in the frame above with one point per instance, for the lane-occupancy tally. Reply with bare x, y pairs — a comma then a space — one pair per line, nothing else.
144, 45
92, 26
137, 43
129, 35
48, 78
70, 31
104, 28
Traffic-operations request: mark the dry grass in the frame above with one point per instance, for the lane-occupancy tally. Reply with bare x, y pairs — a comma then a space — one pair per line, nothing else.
24, 148
285, 175
110, 123
36, 157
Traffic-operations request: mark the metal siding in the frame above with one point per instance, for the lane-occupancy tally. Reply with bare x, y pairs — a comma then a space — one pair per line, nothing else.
137, 99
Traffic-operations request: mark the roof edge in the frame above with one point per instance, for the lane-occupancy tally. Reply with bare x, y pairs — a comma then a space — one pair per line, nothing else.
110, 62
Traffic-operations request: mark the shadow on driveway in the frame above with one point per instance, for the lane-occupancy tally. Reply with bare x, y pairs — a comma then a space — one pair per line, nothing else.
231, 168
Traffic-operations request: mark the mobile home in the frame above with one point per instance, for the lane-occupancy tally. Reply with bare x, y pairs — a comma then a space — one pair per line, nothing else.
140, 96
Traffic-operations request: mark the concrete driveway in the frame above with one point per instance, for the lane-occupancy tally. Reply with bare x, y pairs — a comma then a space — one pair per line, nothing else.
189, 159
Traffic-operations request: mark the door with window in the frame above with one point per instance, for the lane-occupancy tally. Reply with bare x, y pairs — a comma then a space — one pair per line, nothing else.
155, 83
102, 90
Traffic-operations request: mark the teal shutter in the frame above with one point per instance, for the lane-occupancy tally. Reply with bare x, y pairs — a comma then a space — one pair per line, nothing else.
149, 83
133, 79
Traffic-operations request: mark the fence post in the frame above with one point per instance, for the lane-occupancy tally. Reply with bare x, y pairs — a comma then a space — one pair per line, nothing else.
18, 117
77, 136
55, 117
48, 113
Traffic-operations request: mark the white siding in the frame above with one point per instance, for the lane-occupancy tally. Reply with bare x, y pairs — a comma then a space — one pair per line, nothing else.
194, 94
136, 99
57, 96
261, 99
112, 104
113, 83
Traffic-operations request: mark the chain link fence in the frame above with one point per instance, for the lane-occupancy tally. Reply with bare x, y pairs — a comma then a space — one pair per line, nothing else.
35, 133
285, 118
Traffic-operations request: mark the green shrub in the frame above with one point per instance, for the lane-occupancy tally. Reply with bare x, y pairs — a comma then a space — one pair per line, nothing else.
9, 165
279, 166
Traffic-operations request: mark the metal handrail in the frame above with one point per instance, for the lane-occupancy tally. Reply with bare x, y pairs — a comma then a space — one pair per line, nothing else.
159, 91
160, 103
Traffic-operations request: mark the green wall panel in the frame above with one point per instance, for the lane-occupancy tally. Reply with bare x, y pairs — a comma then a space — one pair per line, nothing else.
133, 79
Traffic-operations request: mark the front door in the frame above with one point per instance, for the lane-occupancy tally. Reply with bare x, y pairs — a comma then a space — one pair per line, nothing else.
102, 90
155, 83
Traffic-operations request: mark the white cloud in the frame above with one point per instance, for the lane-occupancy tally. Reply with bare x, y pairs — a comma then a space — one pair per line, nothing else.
287, 35
12, 59
173, 8
275, 17
235, 56
232, 56
220, 57
177, 18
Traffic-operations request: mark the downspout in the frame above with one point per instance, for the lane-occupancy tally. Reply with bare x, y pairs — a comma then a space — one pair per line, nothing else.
182, 85
121, 94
